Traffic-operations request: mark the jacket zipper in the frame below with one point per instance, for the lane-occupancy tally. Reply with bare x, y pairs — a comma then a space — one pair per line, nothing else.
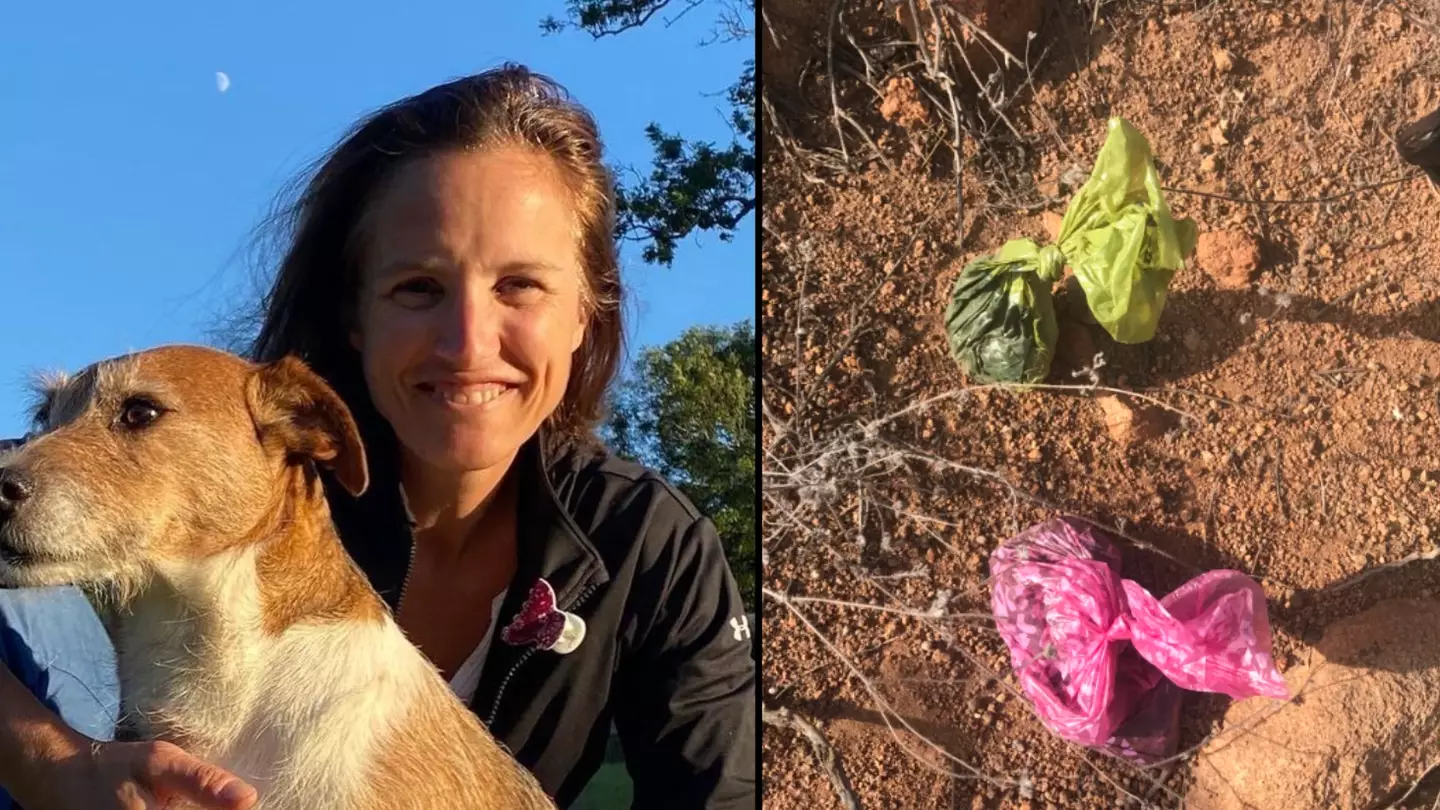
525, 656
405, 583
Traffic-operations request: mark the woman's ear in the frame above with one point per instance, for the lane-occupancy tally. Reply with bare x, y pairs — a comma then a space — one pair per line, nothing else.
581, 327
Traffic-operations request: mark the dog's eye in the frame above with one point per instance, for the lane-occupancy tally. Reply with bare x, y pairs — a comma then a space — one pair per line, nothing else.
138, 413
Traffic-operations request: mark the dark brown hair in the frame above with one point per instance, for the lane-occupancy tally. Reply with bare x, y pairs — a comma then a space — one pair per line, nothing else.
308, 307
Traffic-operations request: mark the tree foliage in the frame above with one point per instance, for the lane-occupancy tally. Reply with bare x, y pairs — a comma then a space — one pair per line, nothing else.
689, 413
692, 185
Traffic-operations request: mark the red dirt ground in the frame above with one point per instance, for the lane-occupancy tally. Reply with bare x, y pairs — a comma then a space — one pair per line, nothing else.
1303, 345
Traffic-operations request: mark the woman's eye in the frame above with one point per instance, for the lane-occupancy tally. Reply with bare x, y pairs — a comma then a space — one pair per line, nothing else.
419, 292
519, 286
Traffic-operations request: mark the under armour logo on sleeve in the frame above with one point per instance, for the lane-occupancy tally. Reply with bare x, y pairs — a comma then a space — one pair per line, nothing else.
741, 626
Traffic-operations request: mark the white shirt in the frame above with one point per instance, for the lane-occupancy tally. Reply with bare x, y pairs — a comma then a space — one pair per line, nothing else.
467, 677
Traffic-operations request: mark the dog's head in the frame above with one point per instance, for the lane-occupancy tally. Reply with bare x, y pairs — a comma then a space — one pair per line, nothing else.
164, 457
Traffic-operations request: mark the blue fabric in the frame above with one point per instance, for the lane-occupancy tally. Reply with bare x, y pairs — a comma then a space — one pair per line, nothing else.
51, 639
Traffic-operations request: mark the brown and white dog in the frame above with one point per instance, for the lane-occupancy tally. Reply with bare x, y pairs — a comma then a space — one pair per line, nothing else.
177, 486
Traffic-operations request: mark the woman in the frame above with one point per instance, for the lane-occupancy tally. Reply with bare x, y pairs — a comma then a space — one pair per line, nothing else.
452, 272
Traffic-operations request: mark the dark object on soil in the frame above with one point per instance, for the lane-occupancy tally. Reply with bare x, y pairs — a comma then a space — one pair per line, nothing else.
1419, 144
1001, 319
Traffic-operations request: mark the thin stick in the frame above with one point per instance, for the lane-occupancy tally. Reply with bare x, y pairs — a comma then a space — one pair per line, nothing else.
964, 57
1279, 485
1009, 57
1308, 201
863, 134
824, 751
1211, 397
917, 614
886, 711
1011, 387
776, 693
1346, 584
865, 306
1354, 291
834, 93
958, 148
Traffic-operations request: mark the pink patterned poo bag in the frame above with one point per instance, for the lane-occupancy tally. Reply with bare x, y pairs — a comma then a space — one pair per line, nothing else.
1103, 661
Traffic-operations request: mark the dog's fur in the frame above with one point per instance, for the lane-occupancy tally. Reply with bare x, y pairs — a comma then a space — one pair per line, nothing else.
244, 632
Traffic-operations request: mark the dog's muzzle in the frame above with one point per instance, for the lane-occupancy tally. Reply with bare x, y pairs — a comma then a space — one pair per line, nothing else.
16, 489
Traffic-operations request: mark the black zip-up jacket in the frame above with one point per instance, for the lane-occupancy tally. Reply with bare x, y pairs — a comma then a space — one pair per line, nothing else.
667, 649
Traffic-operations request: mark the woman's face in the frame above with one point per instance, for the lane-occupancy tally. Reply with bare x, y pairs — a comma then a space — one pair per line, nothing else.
470, 306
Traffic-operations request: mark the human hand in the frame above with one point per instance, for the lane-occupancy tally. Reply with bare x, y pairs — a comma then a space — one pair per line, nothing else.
149, 775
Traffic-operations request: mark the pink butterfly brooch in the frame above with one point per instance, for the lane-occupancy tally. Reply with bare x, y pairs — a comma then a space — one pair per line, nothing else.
541, 625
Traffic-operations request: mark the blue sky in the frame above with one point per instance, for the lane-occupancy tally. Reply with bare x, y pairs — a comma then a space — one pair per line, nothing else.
130, 186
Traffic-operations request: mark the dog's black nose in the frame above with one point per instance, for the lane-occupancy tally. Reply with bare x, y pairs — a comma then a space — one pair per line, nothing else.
15, 489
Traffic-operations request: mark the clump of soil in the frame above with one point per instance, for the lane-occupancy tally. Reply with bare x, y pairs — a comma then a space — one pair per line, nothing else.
1363, 722
1230, 256
901, 105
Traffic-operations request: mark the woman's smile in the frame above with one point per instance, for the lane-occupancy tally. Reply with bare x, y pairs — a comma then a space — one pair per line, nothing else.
468, 397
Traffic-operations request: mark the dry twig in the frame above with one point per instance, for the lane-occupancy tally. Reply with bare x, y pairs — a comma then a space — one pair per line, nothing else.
824, 751
1303, 201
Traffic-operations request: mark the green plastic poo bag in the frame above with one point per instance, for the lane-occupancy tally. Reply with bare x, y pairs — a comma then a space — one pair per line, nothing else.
1119, 238
1001, 319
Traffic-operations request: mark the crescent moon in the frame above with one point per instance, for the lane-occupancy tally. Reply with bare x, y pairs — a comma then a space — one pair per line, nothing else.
222, 82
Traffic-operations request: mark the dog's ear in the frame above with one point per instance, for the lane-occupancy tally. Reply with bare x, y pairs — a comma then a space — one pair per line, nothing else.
294, 408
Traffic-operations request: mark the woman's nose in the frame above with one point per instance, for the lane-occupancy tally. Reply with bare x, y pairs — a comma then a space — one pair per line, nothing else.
471, 331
